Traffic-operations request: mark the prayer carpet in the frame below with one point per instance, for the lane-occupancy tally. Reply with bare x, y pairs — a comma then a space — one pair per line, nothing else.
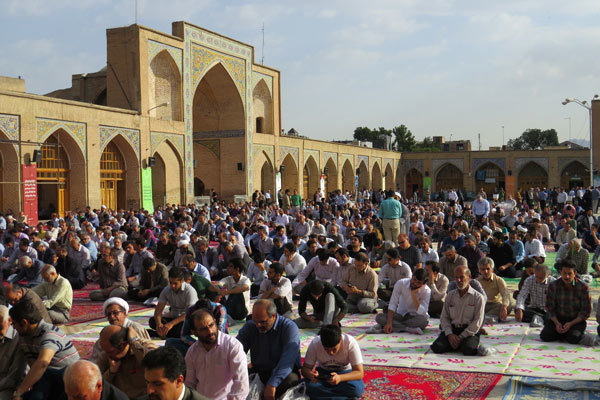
422, 384
84, 347
85, 311
521, 387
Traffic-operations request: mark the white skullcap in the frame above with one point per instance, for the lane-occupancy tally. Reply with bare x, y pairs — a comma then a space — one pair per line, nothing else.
398, 194
115, 300
183, 242
487, 229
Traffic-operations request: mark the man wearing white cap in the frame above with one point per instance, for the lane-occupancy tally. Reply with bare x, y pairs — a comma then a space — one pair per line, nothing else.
116, 309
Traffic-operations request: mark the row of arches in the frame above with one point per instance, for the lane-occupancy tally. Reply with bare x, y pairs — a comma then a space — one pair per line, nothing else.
490, 177
311, 175
61, 175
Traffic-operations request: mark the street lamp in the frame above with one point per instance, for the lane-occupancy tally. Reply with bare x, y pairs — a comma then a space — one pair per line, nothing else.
588, 107
166, 103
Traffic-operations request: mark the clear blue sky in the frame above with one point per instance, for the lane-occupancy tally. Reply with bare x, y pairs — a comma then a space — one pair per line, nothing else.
458, 67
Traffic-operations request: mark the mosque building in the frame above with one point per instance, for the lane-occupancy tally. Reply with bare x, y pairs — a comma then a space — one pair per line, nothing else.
172, 117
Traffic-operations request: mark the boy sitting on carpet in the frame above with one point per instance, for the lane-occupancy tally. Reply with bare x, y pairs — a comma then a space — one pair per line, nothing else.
340, 371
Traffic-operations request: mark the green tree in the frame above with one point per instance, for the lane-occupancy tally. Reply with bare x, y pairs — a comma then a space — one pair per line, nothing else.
534, 139
363, 134
427, 145
403, 138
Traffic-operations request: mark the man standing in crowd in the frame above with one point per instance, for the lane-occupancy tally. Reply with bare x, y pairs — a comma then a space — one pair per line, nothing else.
390, 212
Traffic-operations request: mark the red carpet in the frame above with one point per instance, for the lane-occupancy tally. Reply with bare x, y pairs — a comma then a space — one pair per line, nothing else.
85, 292
421, 384
84, 311
84, 348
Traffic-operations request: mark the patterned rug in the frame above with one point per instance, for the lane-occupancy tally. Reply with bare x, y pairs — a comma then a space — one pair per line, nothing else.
85, 311
422, 384
521, 387
84, 348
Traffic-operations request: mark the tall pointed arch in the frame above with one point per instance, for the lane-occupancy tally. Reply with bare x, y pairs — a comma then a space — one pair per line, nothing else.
164, 86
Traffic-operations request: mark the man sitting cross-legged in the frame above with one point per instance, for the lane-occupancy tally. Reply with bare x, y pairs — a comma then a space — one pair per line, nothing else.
408, 306
329, 307
360, 283
499, 301
569, 306
278, 288
535, 289
462, 317
339, 373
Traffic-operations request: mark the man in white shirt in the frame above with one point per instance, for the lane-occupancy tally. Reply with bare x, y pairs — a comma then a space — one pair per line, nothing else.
392, 272
325, 267
278, 288
339, 373
216, 364
292, 261
235, 293
427, 252
408, 307
534, 248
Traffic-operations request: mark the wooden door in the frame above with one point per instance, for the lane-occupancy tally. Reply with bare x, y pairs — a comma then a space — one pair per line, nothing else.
109, 194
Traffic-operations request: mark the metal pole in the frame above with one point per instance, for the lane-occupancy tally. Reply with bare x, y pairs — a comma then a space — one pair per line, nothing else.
591, 149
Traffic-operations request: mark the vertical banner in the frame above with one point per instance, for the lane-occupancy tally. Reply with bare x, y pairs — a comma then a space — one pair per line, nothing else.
30, 193
509, 185
427, 182
277, 183
322, 183
147, 189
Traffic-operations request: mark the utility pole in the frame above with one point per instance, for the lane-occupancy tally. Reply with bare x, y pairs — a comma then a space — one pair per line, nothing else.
502, 135
136, 12
479, 140
262, 60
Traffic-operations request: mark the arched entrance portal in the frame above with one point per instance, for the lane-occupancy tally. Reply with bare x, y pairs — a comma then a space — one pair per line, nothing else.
331, 179
347, 177
532, 175
376, 177
9, 192
167, 176
489, 177
218, 114
363, 176
263, 174
311, 178
53, 177
448, 177
289, 176
390, 182
575, 174
414, 183
112, 177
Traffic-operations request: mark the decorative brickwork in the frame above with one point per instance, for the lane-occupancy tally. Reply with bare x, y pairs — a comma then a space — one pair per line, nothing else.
10, 125
46, 127
108, 133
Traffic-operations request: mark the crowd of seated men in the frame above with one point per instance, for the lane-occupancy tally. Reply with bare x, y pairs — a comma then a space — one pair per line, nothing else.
204, 268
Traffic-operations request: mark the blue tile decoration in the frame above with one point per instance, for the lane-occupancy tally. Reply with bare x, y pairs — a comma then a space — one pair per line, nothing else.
77, 130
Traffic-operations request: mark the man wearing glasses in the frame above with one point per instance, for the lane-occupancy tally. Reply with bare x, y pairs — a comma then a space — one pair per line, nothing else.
409, 254
274, 346
116, 309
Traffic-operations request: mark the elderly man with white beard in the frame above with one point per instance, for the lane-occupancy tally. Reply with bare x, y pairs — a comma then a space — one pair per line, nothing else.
462, 317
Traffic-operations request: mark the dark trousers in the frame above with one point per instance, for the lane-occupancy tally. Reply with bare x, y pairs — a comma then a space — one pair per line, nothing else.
236, 306
283, 305
435, 308
49, 387
530, 312
572, 336
175, 331
468, 346
343, 390
510, 272
384, 294
289, 382
178, 344
254, 289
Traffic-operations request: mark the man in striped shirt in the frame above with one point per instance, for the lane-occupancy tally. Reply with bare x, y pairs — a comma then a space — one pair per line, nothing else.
48, 352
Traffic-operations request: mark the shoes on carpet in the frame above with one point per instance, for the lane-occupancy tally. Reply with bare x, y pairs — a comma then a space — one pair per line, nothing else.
536, 322
490, 320
414, 331
484, 350
375, 329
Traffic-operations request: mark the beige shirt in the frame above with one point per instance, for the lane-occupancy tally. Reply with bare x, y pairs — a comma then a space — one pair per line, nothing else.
394, 274
130, 376
495, 290
439, 287
447, 267
365, 281
58, 294
466, 310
